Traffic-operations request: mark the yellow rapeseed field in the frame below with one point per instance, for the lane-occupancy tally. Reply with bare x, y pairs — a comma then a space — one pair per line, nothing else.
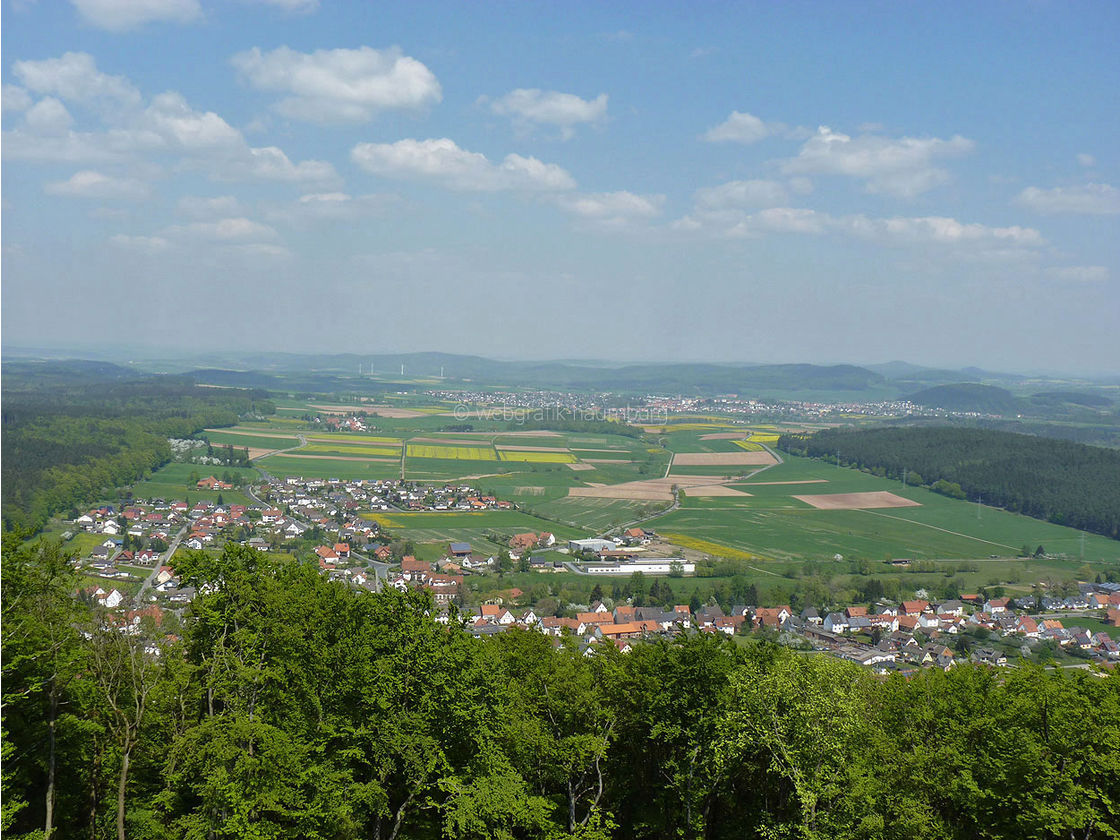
452, 453
538, 457
709, 547
764, 437
749, 445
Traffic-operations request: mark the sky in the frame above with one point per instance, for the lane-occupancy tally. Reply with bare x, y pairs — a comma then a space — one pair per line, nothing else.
755, 182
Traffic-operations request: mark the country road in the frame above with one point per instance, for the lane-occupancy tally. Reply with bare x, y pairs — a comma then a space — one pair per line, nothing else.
165, 561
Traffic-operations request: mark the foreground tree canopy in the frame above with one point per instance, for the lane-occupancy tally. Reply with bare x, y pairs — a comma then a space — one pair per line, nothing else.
296, 707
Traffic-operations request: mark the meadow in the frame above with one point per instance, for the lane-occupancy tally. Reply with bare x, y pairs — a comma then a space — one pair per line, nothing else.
172, 481
250, 439
773, 524
282, 465
354, 451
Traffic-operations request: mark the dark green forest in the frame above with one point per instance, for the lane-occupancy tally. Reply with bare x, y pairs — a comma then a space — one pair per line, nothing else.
69, 438
282, 705
1059, 481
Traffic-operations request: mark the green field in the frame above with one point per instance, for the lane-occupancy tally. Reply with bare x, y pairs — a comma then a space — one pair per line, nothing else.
254, 441
327, 437
595, 515
173, 482
356, 451
773, 524
1093, 625
282, 465
436, 529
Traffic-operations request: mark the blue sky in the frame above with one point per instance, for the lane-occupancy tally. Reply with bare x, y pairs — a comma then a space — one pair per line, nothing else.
824, 182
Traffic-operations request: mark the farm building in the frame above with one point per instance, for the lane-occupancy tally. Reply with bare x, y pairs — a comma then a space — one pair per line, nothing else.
647, 566
592, 545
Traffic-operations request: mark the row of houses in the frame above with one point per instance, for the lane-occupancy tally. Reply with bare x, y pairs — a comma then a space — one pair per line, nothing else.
380, 494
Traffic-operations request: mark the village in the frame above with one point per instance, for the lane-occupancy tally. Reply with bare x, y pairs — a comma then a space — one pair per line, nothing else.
883, 636
320, 519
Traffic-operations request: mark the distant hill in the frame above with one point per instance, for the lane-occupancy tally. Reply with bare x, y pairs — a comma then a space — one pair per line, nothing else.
1058, 398
907, 372
687, 378
298, 381
967, 396
40, 374
235, 378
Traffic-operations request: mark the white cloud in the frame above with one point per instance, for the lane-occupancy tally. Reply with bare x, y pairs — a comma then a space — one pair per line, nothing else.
90, 184
271, 164
801, 186
141, 244
184, 129
613, 204
939, 230
343, 86
741, 194
900, 167
735, 223
529, 107
1086, 160
1081, 274
70, 147
332, 206
122, 15
725, 218
74, 77
169, 125
442, 161
1090, 199
613, 210
48, 117
233, 230
743, 128
295, 6
15, 98
200, 207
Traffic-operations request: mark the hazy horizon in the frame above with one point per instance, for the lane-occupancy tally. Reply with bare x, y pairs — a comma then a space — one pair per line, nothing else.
123, 355
793, 183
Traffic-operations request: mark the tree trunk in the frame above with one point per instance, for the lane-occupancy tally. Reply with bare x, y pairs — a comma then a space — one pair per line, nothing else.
48, 827
95, 790
125, 758
571, 808
400, 816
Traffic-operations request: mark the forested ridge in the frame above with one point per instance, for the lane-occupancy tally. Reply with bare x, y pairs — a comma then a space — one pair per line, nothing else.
64, 444
1059, 481
288, 706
